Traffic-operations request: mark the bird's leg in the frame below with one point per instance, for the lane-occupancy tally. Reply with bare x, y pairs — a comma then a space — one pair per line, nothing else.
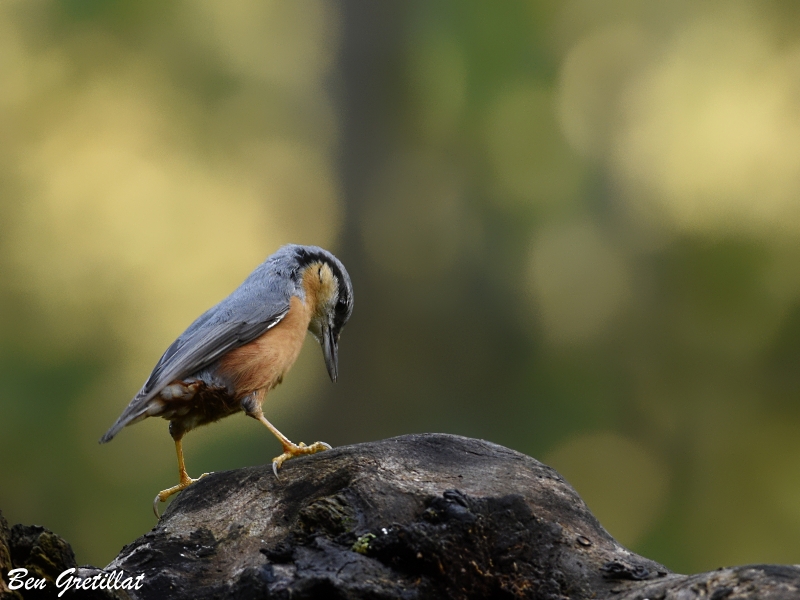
290, 449
184, 479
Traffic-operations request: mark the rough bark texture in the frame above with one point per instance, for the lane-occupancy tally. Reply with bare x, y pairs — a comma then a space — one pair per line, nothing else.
420, 516
45, 556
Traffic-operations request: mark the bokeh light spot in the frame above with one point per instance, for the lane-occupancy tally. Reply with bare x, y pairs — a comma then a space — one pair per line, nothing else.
591, 77
624, 484
438, 76
578, 281
711, 134
532, 163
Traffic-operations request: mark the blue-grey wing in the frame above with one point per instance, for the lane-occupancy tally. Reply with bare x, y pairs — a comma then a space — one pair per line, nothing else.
202, 346
227, 326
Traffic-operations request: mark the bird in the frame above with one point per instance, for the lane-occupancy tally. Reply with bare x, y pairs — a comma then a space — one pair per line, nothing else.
231, 356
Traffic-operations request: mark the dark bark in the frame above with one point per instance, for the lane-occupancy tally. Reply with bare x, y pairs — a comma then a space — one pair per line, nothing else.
44, 555
420, 516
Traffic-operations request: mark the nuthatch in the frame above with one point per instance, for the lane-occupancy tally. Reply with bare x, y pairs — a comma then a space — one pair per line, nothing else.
237, 351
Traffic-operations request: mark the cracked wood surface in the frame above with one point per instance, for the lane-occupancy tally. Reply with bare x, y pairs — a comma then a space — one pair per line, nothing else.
419, 516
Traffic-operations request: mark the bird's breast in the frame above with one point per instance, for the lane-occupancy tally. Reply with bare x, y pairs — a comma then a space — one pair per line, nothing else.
262, 363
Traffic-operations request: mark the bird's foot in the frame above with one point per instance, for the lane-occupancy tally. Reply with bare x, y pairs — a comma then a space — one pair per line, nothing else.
290, 451
163, 495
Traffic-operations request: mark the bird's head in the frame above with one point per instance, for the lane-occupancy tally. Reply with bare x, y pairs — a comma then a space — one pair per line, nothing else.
329, 296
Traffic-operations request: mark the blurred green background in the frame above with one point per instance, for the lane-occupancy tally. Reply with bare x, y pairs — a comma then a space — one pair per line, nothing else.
573, 228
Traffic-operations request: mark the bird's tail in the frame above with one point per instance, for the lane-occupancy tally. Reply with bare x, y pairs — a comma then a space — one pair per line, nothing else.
133, 414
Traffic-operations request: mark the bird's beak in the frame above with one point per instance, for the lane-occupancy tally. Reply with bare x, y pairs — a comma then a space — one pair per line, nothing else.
330, 350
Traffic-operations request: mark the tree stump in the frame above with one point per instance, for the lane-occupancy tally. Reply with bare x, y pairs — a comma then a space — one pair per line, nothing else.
419, 516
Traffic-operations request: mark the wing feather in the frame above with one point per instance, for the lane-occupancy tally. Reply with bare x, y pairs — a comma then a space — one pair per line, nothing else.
193, 352
232, 323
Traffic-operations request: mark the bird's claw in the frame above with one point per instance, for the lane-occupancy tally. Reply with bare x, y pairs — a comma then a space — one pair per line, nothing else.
164, 494
297, 450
